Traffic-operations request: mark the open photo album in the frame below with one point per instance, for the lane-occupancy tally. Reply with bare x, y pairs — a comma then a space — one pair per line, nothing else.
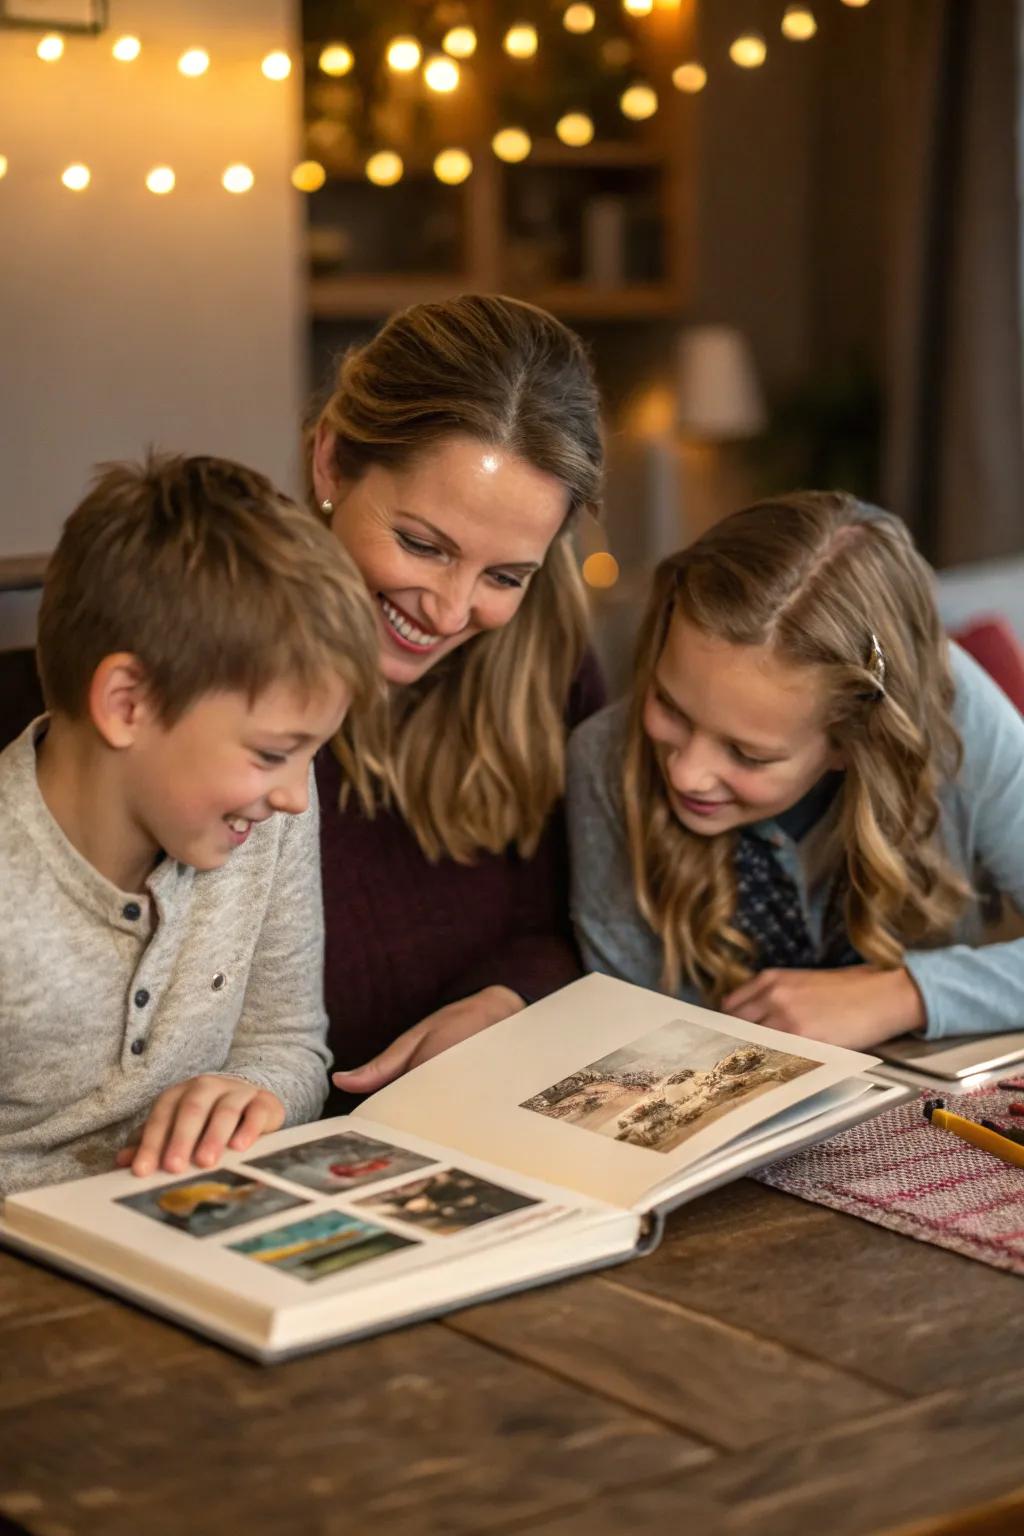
552, 1143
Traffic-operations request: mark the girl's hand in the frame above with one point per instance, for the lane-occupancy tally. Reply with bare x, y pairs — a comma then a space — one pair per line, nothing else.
858, 1007
198, 1120
431, 1036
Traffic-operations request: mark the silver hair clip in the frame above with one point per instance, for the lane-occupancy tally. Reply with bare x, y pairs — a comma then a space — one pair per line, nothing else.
876, 666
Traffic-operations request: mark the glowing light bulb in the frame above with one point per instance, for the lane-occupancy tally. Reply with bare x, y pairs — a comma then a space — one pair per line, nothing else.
237, 178
308, 176
638, 7
336, 59
575, 129
161, 180
749, 50
277, 65
441, 74
404, 54
194, 62
856, 5
452, 166
460, 42
520, 41
385, 168
579, 19
690, 77
126, 49
76, 177
798, 23
601, 569
512, 145
638, 102
50, 48
3, 166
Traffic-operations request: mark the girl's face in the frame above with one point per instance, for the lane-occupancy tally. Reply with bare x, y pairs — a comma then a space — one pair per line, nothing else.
739, 735
447, 545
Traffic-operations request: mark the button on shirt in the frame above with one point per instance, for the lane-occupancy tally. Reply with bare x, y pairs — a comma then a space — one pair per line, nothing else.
108, 998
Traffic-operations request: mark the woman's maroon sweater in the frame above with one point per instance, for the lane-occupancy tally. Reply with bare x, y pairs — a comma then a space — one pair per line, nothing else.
405, 936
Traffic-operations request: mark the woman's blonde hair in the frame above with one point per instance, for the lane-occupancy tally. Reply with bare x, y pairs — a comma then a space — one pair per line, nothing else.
475, 754
820, 578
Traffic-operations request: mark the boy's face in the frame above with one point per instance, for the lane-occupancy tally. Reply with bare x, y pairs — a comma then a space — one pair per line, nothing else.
196, 788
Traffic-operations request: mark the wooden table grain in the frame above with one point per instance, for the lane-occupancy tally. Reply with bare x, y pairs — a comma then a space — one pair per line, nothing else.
774, 1369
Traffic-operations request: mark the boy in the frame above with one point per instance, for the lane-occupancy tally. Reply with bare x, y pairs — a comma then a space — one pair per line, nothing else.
200, 637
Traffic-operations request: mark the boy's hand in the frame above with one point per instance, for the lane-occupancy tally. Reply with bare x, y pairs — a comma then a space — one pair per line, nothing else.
431, 1036
859, 1006
198, 1120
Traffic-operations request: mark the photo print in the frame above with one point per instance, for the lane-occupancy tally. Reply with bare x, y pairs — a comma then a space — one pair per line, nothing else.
446, 1202
661, 1089
209, 1203
334, 1164
321, 1245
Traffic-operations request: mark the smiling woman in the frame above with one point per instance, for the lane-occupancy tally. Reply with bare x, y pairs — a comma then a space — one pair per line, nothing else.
451, 461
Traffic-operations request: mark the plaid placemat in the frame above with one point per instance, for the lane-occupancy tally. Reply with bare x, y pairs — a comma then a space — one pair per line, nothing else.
900, 1172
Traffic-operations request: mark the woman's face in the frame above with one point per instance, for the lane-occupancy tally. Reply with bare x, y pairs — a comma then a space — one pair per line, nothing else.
447, 545
739, 735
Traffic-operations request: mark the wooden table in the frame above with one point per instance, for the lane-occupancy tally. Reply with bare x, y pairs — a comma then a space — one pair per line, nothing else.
774, 1368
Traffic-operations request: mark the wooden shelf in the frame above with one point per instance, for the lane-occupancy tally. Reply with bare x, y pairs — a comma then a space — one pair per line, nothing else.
353, 298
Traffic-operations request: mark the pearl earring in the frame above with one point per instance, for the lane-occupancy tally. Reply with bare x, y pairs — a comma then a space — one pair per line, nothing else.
327, 506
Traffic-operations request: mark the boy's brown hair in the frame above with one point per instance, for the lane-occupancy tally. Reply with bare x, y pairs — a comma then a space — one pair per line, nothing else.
212, 578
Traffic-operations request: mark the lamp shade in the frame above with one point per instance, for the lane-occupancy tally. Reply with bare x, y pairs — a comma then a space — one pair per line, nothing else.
718, 395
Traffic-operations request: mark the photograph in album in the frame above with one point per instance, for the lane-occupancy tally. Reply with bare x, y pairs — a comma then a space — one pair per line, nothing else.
333, 1164
658, 1090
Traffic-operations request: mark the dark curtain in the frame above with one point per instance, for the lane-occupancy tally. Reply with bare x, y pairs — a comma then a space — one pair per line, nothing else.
954, 455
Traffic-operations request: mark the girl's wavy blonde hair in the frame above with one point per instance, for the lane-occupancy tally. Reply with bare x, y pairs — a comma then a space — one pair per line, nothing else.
473, 755
815, 575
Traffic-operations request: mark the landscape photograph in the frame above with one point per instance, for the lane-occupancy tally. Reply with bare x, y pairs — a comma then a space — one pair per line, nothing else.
659, 1090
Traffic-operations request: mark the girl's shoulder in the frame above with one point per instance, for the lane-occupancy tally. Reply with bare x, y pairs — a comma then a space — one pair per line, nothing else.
982, 712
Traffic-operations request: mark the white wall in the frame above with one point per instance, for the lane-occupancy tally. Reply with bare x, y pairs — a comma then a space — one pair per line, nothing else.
128, 319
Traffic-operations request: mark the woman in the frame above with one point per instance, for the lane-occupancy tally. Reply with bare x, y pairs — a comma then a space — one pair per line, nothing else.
795, 816
452, 459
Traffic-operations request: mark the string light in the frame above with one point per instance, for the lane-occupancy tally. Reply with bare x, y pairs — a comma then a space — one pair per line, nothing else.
308, 176
579, 19
575, 129
385, 168
690, 77
520, 41
50, 48
277, 65
126, 49
512, 145
460, 42
798, 23
3, 166
336, 59
237, 178
749, 50
160, 180
76, 177
638, 7
855, 5
404, 55
638, 102
194, 62
452, 166
601, 569
441, 74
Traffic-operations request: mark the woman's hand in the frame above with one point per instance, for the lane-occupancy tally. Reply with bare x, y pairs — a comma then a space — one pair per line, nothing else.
435, 1033
858, 1007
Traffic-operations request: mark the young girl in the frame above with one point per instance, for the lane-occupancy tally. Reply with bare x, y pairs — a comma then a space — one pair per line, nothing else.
795, 815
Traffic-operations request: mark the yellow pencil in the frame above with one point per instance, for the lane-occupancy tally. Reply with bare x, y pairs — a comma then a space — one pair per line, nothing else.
977, 1135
